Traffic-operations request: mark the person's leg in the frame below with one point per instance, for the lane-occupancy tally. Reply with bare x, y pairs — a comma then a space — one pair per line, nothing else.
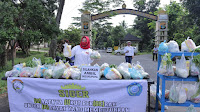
130, 59
126, 58
153, 57
156, 56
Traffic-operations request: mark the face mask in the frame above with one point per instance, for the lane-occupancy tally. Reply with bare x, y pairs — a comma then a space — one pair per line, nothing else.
84, 43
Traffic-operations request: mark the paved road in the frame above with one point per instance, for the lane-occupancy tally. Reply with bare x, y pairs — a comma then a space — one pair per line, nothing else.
145, 60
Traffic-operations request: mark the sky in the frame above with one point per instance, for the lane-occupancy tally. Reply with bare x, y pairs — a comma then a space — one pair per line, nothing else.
71, 10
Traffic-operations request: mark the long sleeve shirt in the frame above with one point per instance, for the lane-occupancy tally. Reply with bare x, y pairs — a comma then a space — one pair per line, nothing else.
130, 51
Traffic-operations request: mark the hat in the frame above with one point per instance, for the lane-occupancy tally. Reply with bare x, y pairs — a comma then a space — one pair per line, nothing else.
128, 42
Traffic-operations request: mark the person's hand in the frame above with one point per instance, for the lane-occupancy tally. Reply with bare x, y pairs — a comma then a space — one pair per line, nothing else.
127, 51
132, 57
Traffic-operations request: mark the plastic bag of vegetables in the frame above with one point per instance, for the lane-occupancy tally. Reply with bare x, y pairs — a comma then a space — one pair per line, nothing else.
123, 70
26, 72
113, 74
196, 97
188, 45
36, 61
67, 73
67, 50
194, 70
182, 96
135, 74
173, 46
191, 108
75, 74
139, 68
58, 70
181, 68
102, 68
48, 73
12, 73
163, 47
173, 94
95, 55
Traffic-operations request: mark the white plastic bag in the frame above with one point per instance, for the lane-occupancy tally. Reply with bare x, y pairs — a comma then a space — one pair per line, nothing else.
182, 97
113, 74
67, 73
181, 68
123, 70
188, 45
163, 65
194, 70
95, 55
139, 68
48, 73
67, 50
58, 70
196, 97
173, 46
76, 74
102, 68
173, 94
36, 61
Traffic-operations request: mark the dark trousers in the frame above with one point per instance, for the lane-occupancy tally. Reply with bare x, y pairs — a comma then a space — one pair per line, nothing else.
128, 59
155, 54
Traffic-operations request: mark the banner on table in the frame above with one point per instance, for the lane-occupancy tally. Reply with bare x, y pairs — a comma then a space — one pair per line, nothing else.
50, 95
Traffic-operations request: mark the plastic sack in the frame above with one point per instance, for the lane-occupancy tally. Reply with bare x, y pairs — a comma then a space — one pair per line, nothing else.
181, 68
95, 55
36, 61
191, 89
196, 97
139, 68
48, 73
173, 46
163, 65
194, 70
67, 73
170, 71
163, 47
102, 68
58, 70
135, 74
67, 50
173, 94
18, 67
188, 45
182, 97
26, 72
123, 70
75, 74
191, 108
12, 73
113, 74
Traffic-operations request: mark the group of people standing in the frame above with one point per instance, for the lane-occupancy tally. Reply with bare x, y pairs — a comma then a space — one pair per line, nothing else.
82, 52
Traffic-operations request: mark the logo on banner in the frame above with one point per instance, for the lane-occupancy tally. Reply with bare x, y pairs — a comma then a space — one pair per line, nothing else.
73, 90
134, 89
18, 85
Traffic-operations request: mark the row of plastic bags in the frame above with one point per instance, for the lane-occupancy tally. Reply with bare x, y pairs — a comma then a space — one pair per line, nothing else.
172, 46
180, 92
124, 70
183, 67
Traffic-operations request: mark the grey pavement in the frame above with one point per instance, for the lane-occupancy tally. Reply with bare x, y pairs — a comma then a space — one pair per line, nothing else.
145, 60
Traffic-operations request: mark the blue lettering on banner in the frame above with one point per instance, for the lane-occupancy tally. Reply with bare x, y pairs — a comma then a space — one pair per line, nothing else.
134, 89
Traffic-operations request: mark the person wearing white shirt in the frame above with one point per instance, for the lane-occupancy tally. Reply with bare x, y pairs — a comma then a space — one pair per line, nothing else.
155, 52
129, 52
82, 52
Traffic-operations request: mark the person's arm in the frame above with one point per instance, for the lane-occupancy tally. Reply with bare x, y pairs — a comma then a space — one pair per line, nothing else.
125, 50
73, 52
132, 52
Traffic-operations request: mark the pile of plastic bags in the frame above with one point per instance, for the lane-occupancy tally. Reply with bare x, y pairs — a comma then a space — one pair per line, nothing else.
180, 92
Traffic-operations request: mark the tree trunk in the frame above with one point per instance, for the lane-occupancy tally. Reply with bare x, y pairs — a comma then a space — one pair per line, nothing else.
53, 45
25, 48
3, 56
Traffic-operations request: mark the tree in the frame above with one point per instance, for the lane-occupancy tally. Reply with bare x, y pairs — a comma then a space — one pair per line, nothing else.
52, 50
117, 34
141, 23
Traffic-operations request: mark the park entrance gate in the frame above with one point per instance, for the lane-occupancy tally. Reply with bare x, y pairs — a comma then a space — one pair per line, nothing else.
161, 21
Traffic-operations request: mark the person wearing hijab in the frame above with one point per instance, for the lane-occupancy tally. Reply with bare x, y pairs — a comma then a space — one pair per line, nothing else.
82, 52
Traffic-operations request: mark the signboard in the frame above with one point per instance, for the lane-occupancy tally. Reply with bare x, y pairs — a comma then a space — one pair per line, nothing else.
90, 73
61, 95
122, 11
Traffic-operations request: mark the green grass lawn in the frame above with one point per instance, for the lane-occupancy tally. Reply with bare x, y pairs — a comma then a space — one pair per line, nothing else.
19, 59
44, 49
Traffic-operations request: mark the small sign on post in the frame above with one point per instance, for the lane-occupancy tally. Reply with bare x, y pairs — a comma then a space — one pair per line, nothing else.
90, 73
